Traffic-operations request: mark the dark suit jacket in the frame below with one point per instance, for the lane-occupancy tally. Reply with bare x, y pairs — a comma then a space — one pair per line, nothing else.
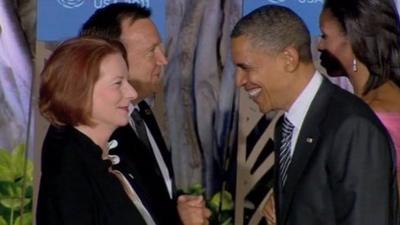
137, 159
342, 170
76, 187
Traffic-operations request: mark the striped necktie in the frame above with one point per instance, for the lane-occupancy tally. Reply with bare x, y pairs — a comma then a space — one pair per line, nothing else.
284, 151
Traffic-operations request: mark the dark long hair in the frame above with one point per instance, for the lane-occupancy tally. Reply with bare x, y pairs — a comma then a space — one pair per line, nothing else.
372, 27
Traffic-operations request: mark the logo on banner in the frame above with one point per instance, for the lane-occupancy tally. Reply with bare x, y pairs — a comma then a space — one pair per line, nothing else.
144, 3
311, 1
277, 1
69, 4
103, 3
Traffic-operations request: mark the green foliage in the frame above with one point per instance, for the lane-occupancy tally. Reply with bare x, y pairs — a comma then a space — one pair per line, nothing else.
220, 205
25, 219
196, 189
3, 221
226, 204
16, 182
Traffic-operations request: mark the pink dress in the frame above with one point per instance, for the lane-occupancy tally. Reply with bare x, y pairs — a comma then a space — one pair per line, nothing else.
392, 124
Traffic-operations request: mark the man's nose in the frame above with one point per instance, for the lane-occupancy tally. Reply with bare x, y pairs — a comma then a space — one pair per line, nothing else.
241, 79
161, 58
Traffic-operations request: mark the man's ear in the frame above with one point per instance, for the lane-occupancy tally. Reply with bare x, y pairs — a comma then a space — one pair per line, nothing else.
291, 59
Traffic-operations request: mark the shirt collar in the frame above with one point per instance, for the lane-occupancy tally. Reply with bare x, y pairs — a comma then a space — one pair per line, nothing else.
299, 108
149, 100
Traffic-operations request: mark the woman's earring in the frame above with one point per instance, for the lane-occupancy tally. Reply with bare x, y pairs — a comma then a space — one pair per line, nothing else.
355, 65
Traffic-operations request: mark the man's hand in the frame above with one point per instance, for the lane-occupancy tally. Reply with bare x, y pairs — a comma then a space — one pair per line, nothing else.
192, 210
269, 210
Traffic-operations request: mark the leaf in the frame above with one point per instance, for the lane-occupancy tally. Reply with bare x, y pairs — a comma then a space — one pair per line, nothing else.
16, 173
196, 189
7, 189
29, 171
3, 221
10, 203
13, 196
12, 165
227, 222
14, 203
227, 202
29, 191
18, 161
6, 173
27, 219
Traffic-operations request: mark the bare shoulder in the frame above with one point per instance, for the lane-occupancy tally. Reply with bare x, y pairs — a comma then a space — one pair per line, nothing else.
387, 99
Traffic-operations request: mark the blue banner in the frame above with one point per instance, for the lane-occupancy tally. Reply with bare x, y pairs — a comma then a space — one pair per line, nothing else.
308, 10
58, 20
61, 19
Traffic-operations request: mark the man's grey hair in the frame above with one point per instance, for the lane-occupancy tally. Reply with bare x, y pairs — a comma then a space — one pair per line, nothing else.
274, 28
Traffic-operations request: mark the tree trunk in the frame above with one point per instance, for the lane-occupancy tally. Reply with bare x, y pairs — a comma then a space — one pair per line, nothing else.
200, 92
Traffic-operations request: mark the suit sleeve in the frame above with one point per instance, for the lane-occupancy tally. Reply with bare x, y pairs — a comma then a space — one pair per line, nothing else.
362, 177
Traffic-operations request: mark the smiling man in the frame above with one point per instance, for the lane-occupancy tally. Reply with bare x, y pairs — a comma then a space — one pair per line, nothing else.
327, 140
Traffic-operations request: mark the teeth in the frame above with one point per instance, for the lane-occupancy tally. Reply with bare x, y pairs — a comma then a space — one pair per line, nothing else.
254, 92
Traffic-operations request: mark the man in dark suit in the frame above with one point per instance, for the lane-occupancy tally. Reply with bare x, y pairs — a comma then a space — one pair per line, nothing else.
143, 156
334, 159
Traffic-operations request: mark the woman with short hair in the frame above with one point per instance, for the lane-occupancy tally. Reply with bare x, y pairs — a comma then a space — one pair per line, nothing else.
85, 95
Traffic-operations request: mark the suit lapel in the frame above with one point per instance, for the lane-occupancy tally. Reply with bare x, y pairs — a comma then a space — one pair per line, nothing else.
306, 143
151, 122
